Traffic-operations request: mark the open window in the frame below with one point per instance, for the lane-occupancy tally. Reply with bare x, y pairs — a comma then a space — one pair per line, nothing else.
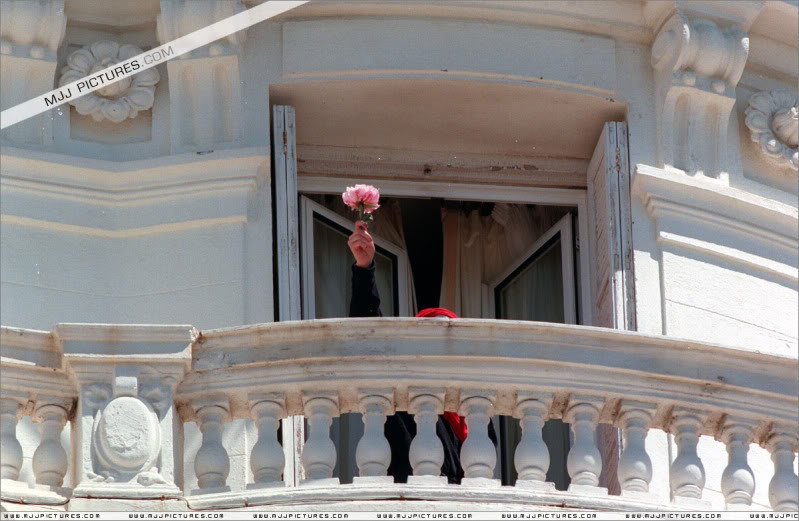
327, 261
538, 281
539, 285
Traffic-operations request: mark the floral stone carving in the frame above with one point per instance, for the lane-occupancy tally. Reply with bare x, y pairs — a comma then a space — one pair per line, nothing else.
115, 101
773, 119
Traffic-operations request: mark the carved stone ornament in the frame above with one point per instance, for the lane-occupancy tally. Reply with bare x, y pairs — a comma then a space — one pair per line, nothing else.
115, 101
127, 435
773, 119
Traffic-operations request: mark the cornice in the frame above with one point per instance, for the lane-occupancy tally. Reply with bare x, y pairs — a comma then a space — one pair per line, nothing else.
66, 194
705, 215
129, 176
652, 185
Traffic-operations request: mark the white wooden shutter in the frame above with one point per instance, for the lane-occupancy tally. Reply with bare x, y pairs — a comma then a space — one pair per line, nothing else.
610, 240
284, 151
286, 212
610, 236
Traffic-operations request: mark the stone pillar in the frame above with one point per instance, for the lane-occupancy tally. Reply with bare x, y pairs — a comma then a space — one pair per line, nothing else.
532, 455
783, 490
28, 67
373, 454
212, 463
687, 471
584, 462
126, 436
319, 452
635, 466
11, 407
738, 480
478, 454
267, 460
50, 461
204, 85
426, 453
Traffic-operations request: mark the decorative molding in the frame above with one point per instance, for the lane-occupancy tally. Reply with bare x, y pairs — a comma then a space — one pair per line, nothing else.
698, 63
773, 121
32, 29
119, 100
31, 32
241, 360
205, 88
137, 198
180, 17
702, 203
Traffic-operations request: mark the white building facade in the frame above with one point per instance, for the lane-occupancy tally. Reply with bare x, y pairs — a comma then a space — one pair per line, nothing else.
163, 244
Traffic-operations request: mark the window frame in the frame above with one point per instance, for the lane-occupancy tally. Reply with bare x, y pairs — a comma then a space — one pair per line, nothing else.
563, 228
308, 208
574, 197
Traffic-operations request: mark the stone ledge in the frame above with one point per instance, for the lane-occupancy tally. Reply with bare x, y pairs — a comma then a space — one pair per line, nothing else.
20, 492
341, 497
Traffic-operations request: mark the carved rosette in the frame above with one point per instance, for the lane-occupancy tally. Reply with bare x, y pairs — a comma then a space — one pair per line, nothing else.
115, 101
773, 120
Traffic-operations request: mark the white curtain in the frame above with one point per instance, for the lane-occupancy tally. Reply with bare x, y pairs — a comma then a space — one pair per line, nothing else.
478, 249
333, 261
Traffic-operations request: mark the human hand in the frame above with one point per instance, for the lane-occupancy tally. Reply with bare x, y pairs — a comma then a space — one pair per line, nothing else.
361, 245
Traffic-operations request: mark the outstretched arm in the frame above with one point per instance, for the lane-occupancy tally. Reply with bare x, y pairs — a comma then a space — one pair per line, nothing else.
365, 297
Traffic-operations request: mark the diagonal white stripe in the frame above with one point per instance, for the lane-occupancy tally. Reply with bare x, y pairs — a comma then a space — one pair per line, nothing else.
182, 45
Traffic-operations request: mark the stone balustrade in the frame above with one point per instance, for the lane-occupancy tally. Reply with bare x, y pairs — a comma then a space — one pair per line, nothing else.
127, 390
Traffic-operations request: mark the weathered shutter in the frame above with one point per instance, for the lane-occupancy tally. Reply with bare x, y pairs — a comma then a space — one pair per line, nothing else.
285, 178
284, 152
610, 238
613, 285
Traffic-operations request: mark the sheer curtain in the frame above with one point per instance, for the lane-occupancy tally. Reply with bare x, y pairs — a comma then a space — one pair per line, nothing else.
333, 260
477, 249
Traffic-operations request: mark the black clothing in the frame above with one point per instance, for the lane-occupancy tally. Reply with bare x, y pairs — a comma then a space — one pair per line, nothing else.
400, 428
365, 298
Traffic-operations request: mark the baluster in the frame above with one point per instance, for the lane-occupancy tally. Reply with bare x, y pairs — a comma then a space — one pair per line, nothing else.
584, 462
10, 448
635, 466
737, 480
478, 454
532, 455
687, 474
373, 454
50, 459
319, 452
267, 461
212, 463
783, 491
426, 452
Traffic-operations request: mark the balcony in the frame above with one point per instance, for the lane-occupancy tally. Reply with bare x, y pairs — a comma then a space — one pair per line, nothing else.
126, 391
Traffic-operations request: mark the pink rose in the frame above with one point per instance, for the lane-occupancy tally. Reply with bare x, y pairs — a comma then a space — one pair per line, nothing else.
362, 198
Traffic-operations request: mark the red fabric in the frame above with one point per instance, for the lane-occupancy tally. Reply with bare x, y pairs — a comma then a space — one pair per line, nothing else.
458, 423
436, 312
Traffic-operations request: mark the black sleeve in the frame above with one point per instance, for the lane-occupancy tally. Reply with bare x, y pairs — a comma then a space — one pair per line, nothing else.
365, 298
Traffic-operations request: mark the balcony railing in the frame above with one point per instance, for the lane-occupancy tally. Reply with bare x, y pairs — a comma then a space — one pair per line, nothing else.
127, 390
